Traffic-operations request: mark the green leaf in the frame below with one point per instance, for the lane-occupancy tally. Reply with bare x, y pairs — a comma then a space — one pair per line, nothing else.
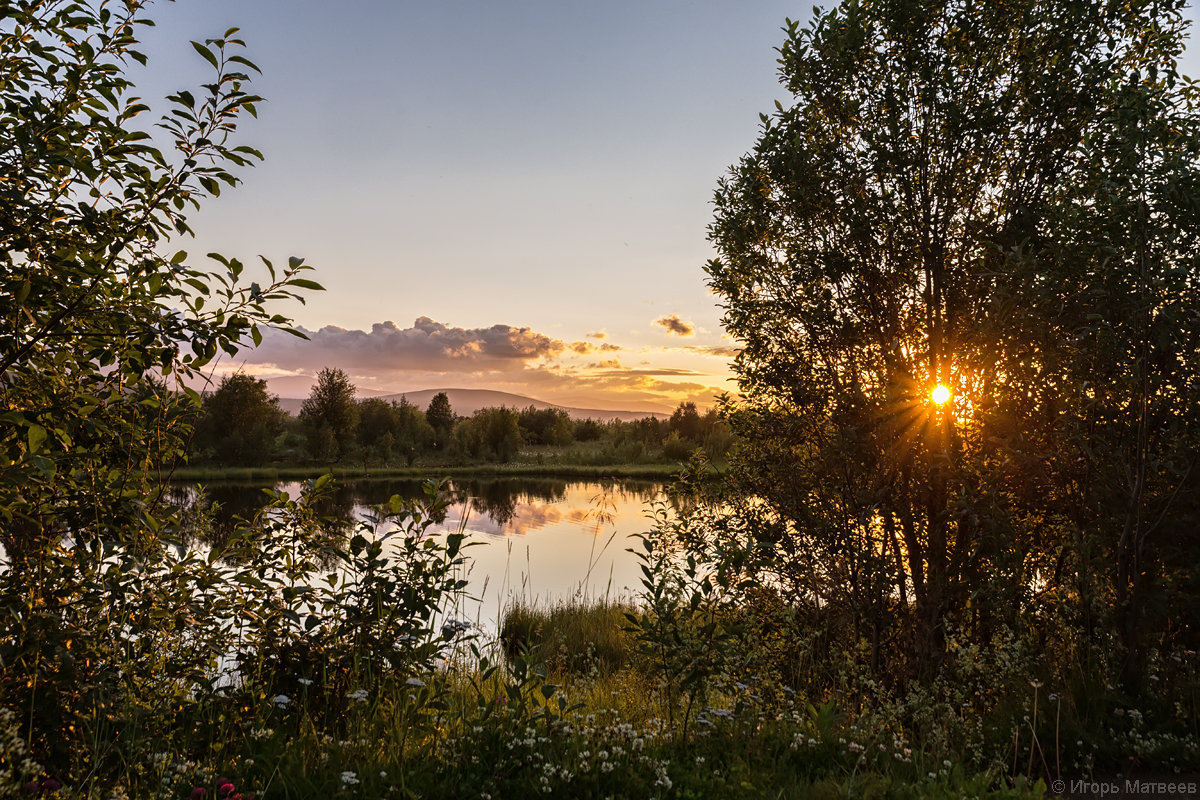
44, 465
35, 436
208, 56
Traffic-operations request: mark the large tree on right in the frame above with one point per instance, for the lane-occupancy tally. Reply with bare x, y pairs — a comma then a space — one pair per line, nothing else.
1002, 199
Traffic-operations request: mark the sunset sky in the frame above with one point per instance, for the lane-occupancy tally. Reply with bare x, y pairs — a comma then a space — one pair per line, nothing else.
500, 195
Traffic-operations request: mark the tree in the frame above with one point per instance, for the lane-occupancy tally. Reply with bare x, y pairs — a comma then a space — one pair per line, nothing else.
376, 433
239, 422
101, 330
686, 422
440, 417
330, 415
414, 435
491, 433
98, 329
991, 197
552, 426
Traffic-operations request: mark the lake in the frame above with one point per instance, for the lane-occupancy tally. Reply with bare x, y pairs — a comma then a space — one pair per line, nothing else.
537, 540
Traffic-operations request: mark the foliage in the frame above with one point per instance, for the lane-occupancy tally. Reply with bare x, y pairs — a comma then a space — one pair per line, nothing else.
680, 625
135, 646
440, 417
330, 415
685, 421
490, 433
98, 330
570, 636
239, 422
997, 198
551, 426
388, 431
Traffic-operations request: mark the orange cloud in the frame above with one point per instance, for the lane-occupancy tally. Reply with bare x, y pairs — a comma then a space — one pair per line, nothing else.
722, 351
673, 324
427, 345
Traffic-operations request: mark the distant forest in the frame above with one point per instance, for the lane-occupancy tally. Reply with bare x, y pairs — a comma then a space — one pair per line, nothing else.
241, 424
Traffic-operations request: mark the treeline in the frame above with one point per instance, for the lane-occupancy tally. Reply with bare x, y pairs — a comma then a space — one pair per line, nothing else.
241, 424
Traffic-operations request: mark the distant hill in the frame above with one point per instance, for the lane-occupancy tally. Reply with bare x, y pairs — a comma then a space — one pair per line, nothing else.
466, 402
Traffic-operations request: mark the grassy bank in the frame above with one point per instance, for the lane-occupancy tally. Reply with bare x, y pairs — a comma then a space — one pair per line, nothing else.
574, 709
287, 665
213, 474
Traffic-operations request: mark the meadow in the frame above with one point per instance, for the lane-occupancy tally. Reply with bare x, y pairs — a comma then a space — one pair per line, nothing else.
299, 662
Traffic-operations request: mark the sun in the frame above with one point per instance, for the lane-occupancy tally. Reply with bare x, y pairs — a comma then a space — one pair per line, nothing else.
940, 394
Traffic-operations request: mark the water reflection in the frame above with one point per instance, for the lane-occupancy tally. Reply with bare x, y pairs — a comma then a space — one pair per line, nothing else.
536, 539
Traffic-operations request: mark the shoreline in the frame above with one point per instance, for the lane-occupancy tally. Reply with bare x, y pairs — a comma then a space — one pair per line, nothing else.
658, 472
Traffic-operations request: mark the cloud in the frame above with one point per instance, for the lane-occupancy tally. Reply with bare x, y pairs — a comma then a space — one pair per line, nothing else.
428, 354
426, 346
724, 351
597, 335
673, 324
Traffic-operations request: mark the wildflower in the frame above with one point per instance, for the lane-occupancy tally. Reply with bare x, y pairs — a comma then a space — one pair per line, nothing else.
197, 793
349, 778
358, 694
304, 682
415, 682
224, 789
51, 785
382, 774
281, 700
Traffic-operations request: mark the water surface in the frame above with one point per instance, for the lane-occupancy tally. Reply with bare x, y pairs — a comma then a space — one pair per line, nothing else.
537, 540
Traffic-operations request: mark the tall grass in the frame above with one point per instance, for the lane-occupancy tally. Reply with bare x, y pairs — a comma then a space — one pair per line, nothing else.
569, 636
268, 675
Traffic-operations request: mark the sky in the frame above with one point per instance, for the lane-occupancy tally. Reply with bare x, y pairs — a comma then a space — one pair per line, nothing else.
507, 195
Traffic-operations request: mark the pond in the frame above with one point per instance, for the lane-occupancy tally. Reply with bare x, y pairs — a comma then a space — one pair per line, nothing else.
534, 540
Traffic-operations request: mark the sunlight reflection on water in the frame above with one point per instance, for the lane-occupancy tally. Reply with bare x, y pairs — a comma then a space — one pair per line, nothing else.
535, 541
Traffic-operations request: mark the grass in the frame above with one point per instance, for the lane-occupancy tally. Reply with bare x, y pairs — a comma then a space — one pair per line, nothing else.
520, 726
371, 697
569, 637
300, 472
